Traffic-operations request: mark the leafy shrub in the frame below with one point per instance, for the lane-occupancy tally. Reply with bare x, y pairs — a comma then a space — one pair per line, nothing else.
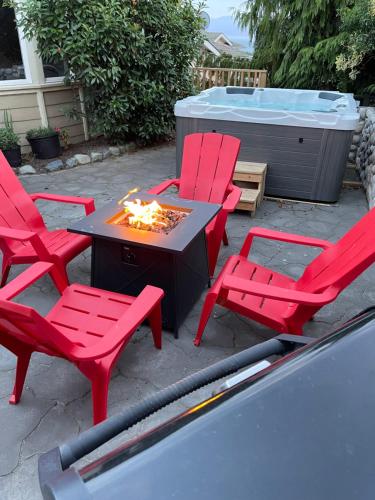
133, 58
38, 133
8, 139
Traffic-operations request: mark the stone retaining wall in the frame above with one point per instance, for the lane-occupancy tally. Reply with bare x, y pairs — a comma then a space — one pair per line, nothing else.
362, 152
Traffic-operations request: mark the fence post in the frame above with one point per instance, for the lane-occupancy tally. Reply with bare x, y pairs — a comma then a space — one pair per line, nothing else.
262, 78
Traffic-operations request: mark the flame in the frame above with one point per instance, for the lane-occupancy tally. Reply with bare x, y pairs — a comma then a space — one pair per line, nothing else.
148, 213
142, 213
132, 191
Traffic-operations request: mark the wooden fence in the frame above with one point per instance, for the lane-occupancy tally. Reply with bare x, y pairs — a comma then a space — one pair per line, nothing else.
205, 78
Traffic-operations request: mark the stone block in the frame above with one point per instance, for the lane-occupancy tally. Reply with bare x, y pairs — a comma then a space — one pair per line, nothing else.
82, 159
359, 127
96, 156
54, 165
131, 147
356, 139
71, 162
106, 154
114, 150
27, 169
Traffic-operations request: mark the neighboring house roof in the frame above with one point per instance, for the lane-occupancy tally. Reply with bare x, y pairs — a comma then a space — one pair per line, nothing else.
219, 44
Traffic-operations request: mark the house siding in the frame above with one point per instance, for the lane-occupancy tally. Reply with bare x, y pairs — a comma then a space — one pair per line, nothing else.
57, 103
26, 114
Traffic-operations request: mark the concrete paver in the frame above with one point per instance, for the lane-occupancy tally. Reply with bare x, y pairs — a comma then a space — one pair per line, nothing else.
56, 403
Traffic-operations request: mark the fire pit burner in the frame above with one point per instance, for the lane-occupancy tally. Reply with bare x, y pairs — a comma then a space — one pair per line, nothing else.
163, 219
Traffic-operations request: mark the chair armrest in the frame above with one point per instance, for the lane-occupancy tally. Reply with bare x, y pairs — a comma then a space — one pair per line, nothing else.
25, 279
280, 236
275, 292
125, 326
163, 186
33, 238
232, 199
89, 203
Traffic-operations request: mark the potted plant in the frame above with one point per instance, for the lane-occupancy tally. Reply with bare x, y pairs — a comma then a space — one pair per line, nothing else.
44, 142
9, 142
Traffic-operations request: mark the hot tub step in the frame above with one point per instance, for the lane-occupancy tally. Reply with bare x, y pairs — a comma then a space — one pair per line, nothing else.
249, 200
250, 177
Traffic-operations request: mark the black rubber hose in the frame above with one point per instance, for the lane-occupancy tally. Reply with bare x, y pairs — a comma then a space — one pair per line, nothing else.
99, 434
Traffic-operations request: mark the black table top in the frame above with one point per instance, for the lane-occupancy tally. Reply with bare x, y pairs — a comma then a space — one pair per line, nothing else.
96, 224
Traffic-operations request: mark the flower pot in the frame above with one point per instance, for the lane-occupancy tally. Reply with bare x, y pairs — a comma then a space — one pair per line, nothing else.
45, 147
13, 156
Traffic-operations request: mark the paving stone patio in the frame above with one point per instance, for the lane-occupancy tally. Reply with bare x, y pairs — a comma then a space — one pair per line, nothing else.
56, 402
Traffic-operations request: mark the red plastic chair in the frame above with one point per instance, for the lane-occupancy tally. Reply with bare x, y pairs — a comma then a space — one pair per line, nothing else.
277, 300
24, 238
87, 326
208, 164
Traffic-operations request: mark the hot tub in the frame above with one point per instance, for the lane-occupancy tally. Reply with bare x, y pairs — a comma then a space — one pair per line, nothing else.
303, 135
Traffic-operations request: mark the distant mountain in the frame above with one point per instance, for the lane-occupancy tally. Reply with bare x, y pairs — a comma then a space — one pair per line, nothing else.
227, 25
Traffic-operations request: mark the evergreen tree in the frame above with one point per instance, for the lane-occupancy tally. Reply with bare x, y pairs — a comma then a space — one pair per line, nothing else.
297, 41
357, 58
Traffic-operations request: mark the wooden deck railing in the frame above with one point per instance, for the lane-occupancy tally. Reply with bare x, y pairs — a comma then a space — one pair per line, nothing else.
205, 78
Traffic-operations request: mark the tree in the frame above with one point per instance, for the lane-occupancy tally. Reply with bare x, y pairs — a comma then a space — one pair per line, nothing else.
357, 58
132, 57
297, 41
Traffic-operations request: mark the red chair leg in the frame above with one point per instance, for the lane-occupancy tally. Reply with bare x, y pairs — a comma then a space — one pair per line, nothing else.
213, 253
99, 387
23, 360
208, 305
5, 272
155, 325
59, 277
225, 239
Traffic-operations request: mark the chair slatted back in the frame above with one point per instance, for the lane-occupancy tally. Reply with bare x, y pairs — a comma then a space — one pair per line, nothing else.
345, 261
27, 325
17, 210
208, 165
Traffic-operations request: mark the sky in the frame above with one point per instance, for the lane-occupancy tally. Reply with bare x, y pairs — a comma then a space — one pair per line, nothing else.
218, 8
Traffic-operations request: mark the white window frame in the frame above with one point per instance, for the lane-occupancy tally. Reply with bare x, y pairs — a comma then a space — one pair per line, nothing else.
29, 56
26, 66
55, 79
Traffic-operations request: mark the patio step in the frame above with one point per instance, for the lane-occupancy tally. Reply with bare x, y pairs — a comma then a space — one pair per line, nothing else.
250, 177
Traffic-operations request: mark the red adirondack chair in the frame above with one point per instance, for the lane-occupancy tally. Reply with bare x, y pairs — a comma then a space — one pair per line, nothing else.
87, 326
208, 164
24, 238
277, 300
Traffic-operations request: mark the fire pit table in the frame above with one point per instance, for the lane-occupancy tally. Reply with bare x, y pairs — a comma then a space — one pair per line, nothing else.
125, 259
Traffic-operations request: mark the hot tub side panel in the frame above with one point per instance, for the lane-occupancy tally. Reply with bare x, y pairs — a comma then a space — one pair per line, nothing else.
333, 156
306, 163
